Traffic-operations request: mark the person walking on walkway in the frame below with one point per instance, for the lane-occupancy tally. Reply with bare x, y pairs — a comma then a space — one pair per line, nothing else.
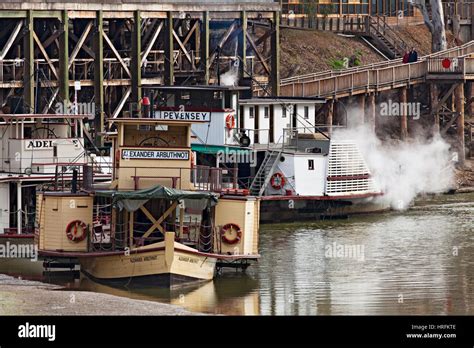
413, 57
406, 57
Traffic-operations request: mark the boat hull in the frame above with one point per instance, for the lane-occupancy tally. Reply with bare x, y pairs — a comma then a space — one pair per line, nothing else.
157, 267
291, 208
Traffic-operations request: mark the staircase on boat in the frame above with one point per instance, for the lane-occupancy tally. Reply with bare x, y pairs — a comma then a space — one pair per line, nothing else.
263, 176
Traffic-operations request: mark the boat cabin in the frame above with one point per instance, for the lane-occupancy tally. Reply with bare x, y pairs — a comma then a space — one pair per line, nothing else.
36, 144
36, 149
151, 151
163, 216
267, 120
213, 110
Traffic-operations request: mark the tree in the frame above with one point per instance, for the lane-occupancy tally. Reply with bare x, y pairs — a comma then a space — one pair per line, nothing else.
435, 24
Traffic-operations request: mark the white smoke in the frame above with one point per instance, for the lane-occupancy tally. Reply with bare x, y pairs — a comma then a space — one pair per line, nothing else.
230, 78
403, 170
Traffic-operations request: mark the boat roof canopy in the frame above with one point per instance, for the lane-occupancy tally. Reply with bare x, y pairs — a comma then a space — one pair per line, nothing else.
47, 116
156, 192
215, 149
197, 88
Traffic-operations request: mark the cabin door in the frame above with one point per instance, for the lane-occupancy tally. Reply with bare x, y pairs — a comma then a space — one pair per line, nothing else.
4, 206
257, 125
271, 138
294, 117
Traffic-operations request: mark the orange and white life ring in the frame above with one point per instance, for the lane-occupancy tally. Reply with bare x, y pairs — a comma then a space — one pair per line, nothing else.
76, 231
277, 181
229, 228
230, 121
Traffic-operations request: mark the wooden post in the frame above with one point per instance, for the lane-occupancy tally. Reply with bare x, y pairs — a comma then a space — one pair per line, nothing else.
330, 116
470, 99
243, 45
205, 46
64, 58
98, 46
403, 115
472, 21
169, 50
361, 102
459, 101
434, 92
169, 248
130, 229
136, 60
370, 112
275, 59
29, 64
181, 221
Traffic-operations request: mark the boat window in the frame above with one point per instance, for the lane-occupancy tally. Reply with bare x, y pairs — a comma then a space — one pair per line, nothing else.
306, 112
266, 113
28, 133
151, 136
283, 112
251, 112
310, 164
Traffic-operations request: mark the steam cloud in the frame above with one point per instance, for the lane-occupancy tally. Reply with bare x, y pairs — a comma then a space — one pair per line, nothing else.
404, 170
229, 78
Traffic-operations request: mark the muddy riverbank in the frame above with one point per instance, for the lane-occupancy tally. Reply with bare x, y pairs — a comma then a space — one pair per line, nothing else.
23, 297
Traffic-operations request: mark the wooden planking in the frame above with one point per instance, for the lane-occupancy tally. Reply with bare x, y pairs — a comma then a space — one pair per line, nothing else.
57, 213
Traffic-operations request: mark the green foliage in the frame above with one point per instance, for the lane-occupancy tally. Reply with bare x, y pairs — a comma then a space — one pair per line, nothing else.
310, 7
336, 64
346, 62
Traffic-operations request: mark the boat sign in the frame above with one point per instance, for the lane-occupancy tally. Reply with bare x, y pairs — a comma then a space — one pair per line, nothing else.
34, 144
193, 116
156, 154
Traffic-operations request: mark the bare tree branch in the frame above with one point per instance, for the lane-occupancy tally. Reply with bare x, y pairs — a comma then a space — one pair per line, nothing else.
435, 23
421, 5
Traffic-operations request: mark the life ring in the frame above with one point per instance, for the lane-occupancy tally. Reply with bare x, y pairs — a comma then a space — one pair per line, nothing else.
230, 121
277, 181
72, 231
229, 227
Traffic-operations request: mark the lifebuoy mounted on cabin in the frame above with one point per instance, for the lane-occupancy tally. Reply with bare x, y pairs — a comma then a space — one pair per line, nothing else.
230, 122
76, 231
277, 181
229, 228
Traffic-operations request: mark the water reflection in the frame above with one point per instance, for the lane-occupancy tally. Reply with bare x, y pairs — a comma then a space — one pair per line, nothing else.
416, 262
230, 294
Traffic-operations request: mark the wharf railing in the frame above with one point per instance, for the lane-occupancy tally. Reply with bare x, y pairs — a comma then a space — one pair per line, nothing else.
371, 77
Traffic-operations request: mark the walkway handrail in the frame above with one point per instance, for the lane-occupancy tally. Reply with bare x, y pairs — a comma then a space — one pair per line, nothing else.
367, 76
394, 62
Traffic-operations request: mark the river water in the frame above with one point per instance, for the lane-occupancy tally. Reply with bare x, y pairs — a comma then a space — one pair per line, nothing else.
420, 261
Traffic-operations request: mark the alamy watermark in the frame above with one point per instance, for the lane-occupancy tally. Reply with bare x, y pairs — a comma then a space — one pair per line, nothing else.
237, 156
399, 109
20, 251
28, 330
345, 251
66, 107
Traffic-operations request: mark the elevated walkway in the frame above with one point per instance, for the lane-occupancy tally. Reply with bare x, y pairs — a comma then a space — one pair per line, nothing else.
383, 76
